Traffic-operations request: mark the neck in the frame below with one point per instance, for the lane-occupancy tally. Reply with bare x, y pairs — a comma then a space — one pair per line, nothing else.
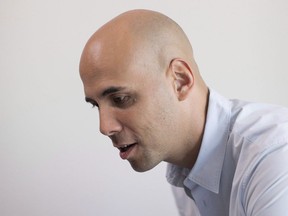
195, 130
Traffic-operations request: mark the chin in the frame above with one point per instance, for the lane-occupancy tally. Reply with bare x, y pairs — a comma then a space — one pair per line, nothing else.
142, 167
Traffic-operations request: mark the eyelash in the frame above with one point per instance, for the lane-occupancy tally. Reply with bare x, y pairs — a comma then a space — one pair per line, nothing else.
122, 101
94, 105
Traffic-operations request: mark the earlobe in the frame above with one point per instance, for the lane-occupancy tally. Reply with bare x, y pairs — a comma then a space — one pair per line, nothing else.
183, 78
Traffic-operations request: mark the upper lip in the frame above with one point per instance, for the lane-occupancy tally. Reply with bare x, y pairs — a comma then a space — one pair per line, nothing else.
123, 145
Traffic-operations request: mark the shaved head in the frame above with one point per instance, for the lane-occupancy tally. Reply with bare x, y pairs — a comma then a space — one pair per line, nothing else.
139, 70
135, 34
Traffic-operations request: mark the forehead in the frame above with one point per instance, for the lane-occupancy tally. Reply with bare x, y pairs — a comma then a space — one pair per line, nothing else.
120, 73
117, 62
103, 58
99, 64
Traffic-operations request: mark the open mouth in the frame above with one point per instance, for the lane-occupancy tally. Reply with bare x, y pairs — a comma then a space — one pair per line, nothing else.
126, 150
126, 147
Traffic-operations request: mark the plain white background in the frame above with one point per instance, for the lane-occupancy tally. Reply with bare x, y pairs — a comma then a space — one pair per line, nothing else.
53, 160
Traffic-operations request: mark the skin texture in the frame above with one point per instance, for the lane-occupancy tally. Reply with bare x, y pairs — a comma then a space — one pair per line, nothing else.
139, 70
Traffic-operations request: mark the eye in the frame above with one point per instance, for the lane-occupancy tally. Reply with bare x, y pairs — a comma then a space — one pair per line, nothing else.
122, 101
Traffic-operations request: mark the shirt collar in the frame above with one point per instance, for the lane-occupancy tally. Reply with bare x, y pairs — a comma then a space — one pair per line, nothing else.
208, 167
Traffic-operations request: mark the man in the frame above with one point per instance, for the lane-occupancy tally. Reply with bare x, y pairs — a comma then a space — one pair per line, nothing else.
230, 157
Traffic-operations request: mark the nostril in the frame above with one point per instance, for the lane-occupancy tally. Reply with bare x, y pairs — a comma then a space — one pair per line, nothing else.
110, 126
112, 133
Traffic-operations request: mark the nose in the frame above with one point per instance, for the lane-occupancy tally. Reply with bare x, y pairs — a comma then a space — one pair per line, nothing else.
109, 125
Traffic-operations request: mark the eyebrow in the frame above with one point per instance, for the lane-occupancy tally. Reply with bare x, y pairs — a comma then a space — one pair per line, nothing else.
110, 90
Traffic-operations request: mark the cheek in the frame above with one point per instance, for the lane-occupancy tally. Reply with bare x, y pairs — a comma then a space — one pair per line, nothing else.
153, 116
156, 120
143, 122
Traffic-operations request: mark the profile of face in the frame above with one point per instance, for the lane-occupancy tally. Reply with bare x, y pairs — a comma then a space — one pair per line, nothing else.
140, 90
135, 100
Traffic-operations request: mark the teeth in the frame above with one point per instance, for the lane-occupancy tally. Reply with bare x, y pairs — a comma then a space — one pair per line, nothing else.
125, 148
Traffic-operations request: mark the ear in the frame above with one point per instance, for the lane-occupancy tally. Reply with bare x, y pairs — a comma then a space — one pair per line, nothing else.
183, 77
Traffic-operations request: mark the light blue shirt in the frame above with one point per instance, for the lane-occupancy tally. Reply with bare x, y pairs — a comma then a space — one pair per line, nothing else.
242, 166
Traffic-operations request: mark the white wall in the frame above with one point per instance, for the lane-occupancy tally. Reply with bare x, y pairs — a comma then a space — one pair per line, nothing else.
53, 161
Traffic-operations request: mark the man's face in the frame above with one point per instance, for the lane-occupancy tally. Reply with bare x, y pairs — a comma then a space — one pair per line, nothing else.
136, 104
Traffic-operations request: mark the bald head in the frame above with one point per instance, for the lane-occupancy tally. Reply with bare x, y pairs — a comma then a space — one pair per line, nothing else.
134, 35
139, 70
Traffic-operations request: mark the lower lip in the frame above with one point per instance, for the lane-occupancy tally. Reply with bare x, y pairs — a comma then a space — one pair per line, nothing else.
125, 155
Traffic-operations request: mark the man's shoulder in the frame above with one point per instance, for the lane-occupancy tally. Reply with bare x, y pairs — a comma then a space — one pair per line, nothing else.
258, 121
